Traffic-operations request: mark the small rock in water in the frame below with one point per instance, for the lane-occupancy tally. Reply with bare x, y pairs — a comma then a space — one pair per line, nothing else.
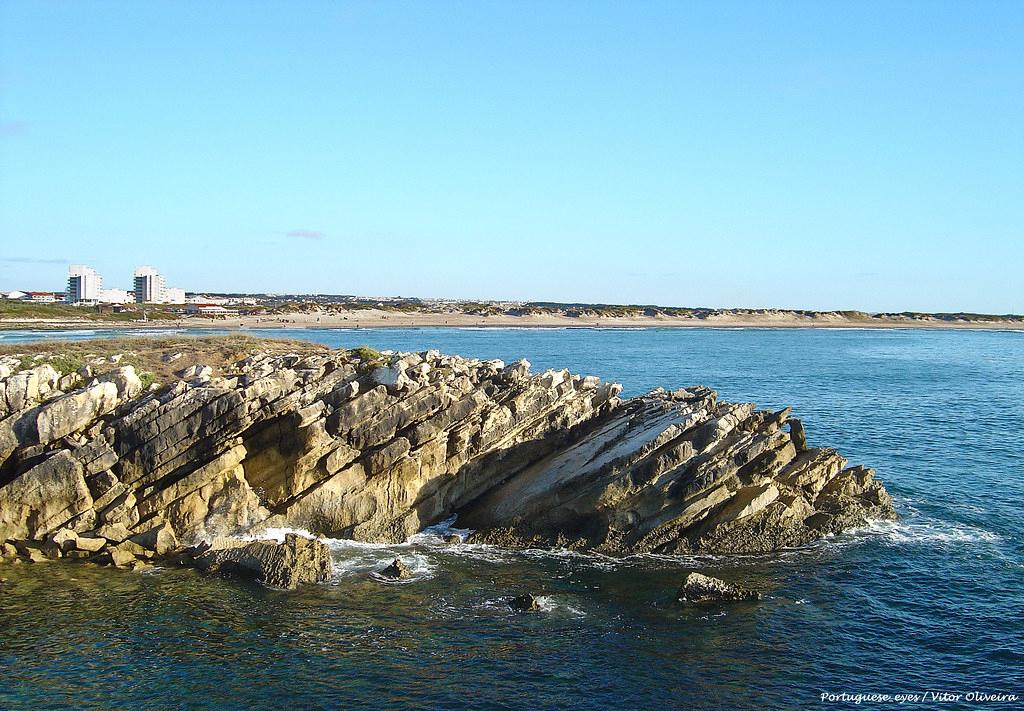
396, 571
453, 538
704, 588
524, 603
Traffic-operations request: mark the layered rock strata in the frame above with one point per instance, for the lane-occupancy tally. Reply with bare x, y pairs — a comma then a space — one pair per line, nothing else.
375, 447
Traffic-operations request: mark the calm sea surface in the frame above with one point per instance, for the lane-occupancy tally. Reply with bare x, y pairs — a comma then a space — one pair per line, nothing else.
934, 603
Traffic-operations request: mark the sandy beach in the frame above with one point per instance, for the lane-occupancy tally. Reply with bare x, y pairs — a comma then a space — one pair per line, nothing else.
372, 318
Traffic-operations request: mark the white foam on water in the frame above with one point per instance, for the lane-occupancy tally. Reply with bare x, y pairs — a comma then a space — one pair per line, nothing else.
915, 530
350, 558
358, 558
589, 558
420, 552
547, 604
485, 553
420, 568
433, 539
717, 614
435, 535
683, 560
552, 605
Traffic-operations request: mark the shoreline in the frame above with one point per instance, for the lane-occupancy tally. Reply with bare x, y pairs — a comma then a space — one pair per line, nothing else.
373, 320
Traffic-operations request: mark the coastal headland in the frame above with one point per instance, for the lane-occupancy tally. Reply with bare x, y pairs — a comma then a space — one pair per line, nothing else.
133, 450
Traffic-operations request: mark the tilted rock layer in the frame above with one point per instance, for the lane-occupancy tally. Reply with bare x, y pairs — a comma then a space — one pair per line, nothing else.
374, 448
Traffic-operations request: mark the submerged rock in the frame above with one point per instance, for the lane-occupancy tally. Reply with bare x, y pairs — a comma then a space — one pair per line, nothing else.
396, 571
703, 588
281, 565
524, 603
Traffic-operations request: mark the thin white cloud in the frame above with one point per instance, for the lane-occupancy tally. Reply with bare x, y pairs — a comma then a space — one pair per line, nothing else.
305, 234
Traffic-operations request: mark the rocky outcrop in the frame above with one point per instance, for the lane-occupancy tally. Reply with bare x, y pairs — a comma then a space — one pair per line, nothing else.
375, 447
396, 571
280, 565
681, 472
703, 588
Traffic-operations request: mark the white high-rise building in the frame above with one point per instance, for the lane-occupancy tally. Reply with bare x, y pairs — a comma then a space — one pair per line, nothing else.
84, 284
149, 286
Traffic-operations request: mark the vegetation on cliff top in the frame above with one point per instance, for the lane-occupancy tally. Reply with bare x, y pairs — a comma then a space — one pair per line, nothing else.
156, 359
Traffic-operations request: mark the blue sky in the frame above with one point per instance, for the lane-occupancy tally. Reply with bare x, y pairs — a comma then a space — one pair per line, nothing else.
794, 154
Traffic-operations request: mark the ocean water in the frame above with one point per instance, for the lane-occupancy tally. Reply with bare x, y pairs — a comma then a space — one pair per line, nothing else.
931, 604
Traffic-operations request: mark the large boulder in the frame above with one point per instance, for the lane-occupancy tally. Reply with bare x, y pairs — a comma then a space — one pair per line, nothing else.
26, 388
159, 539
49, 496
392, 376
280, 565
76, 411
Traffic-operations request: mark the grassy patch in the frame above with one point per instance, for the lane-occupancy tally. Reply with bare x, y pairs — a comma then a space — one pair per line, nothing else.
368, 358
366, 354
66, 363
152, 356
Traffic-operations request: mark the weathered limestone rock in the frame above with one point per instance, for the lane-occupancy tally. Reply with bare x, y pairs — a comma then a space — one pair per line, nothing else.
48, 496
798, 434
121, 557
115, 533
704, 588
747, 502
89, 544
36, 551
394, 377
25, 389
160, 539
65, 539
122, 511
75, 411
126, 381
673, 473
281, 565
377, 450
396, 571
197, 372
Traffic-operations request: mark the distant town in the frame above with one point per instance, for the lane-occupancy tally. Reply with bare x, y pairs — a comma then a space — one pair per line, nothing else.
85, 288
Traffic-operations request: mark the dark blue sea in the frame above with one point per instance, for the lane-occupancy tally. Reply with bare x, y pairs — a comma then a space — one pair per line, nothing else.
933, 604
